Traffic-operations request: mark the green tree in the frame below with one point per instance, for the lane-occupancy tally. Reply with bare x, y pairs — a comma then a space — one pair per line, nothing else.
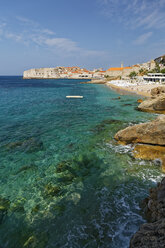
143, 72
157, 68
163, 70
132, 74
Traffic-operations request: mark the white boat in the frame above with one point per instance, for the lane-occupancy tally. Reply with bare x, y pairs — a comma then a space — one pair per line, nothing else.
74, 96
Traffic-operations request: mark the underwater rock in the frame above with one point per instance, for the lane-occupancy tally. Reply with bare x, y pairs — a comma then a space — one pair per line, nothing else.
109, 122
78, 168
4, 203
71, 145
26, 168
152, 234
18, 205
4, 206
150, 152
66, 179
29, 145
52, 190
153, 105
127, 104
59, 209
117, 98
62, 166
30, 242
152, 132
36, 208
36, 241
103, 125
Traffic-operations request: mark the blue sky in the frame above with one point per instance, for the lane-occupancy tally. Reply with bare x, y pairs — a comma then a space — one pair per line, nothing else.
86, 33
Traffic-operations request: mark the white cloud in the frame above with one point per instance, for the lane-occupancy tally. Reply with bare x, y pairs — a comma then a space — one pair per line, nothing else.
32, 34
62, 43
47, 31
13, 36
2, 25
143, 38
26, 21
146, 14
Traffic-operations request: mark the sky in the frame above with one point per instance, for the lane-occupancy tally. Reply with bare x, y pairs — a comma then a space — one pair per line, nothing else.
86, 33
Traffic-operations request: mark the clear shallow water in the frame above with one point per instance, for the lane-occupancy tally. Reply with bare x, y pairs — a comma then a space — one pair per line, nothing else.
64, 182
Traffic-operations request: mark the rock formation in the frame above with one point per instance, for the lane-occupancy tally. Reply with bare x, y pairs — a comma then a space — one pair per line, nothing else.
146, 133
157, 90
150, 136
154, 104
152, 234
150, 152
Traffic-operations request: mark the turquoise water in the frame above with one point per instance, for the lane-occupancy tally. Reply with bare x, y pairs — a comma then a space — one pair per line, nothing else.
64, 182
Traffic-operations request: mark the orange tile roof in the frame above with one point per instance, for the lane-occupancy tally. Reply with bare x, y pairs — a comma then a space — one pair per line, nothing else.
115, 69
128, 67
77, 72
119, 68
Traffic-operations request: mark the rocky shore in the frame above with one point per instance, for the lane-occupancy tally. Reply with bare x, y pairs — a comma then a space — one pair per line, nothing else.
152, 234
156, 103
148, 140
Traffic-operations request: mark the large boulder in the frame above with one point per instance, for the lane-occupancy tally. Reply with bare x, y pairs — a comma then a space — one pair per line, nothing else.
154, 104
146, 133
157, 90
152, 234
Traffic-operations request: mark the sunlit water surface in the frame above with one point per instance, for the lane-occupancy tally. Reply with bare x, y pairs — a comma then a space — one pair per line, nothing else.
64, 181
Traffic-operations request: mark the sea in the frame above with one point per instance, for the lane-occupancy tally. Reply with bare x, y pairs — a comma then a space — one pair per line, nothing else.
64, 180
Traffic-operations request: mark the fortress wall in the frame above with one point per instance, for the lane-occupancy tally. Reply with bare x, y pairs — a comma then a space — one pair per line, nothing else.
41, 73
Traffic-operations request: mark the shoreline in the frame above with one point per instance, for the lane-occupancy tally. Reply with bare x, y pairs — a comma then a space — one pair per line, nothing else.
147, 148
134, 88
125, 90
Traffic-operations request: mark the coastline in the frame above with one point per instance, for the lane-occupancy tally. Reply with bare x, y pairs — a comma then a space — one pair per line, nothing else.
142, 136
126, 90
134, 88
